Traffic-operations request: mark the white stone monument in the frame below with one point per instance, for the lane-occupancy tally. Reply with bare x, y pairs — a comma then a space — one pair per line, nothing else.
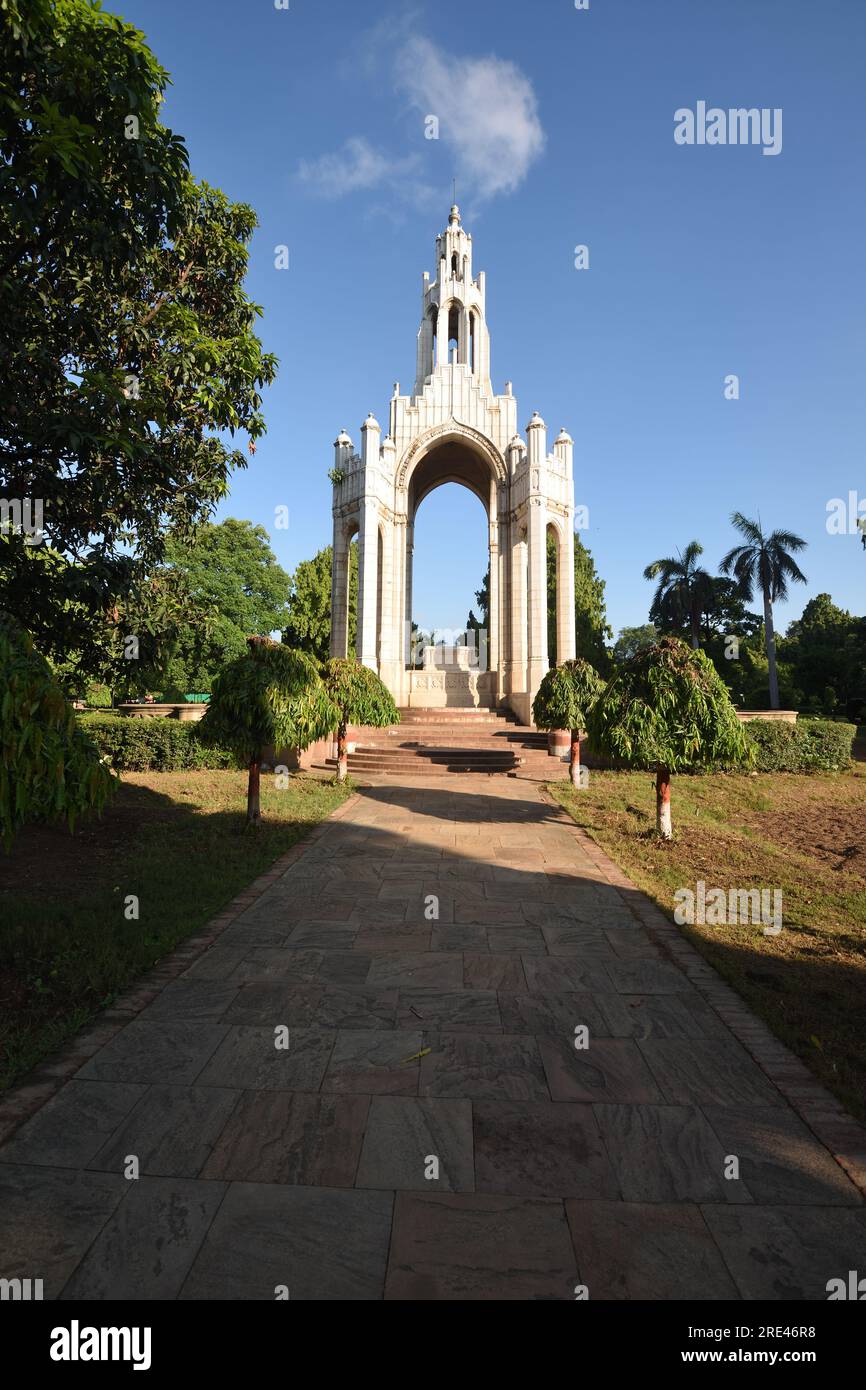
453, 428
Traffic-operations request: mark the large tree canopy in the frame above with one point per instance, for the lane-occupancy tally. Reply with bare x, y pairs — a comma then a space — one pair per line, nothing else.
232, 578
309, 623
126, 338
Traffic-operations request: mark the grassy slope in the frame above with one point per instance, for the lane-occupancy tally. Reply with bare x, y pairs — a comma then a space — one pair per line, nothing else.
805, 835
175, 840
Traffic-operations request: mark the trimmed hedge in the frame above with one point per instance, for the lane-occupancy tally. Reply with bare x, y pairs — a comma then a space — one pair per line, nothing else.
810, 745
152, 745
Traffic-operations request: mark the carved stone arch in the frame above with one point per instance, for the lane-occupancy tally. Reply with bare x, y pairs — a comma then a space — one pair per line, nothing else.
451, 431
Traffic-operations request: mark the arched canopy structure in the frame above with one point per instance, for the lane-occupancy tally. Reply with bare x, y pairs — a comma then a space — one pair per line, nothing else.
453, 428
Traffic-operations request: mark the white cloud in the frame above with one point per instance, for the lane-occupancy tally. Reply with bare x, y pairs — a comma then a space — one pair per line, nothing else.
356, 166
488, 118
487, 112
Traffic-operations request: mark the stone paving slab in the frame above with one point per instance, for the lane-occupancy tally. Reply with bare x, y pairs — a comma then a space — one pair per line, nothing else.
533, 1084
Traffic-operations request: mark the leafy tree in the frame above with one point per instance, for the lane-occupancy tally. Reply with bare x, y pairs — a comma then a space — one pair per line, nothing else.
826, 650
632, 639
269, 698
667, 708
234, 586
767, 563
309, 605
684, 592
49, 768
591, 628
564, 699
126, 339
359, 698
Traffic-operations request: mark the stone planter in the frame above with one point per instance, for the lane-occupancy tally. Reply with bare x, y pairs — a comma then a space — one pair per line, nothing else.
559, 744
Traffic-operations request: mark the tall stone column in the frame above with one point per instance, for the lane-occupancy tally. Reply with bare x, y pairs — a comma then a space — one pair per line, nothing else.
407, 589
343, 455
516, 666
565, 635
339, 591
390, 646
563, 449
493, 619
537, 538
368, 548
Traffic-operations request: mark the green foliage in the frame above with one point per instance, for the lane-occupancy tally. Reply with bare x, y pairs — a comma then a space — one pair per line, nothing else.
309, 623
126, 339
667, 707
49, 768
826, 652
566, 696
763, 563
358, 695
270, 697
234, 587
152, 744
684, 592
810, 745
632, 639
592, 630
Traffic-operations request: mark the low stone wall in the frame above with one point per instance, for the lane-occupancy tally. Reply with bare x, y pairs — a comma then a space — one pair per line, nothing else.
187, 710
782, 716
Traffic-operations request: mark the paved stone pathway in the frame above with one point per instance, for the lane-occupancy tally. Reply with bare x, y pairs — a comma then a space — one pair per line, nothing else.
431, 1131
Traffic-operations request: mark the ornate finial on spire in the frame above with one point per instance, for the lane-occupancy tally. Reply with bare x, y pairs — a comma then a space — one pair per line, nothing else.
454, 215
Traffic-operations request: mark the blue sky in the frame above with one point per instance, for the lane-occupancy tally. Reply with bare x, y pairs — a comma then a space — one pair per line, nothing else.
558, 126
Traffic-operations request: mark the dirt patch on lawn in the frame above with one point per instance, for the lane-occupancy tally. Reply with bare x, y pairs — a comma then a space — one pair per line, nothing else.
834, 835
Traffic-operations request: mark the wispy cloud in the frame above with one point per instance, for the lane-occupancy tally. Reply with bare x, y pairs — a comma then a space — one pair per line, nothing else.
486, 109
357, 165
488, 119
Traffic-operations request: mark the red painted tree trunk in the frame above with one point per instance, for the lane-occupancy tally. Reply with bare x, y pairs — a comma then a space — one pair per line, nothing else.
342, 754
254, 809
663, 803
574, 764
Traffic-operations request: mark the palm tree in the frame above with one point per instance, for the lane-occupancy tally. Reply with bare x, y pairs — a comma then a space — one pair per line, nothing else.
685, 591
767, 562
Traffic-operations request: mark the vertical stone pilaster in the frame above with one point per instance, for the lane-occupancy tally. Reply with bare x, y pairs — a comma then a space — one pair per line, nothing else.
537, 665
368, 548
339, 591
565, 635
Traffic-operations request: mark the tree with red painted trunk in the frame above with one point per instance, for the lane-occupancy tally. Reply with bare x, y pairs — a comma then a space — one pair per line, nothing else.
359, 697
564, 700
271, 697
668, 709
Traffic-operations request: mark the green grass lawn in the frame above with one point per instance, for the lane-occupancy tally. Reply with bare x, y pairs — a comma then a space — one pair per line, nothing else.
804, 835
176, 841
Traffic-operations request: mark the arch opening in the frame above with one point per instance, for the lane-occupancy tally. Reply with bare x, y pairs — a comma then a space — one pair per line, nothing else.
449, 579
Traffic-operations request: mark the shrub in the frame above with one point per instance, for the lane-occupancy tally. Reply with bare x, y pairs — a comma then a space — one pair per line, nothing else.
49, 768
667, 707
564, 699
272, 696
810, 745
152, 745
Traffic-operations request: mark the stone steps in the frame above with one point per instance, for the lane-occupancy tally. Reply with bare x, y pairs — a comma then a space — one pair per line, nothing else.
442, 742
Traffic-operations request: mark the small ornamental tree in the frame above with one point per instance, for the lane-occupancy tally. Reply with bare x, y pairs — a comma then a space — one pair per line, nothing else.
668, 708
269, 697
49, 768
359, 698
564, 699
